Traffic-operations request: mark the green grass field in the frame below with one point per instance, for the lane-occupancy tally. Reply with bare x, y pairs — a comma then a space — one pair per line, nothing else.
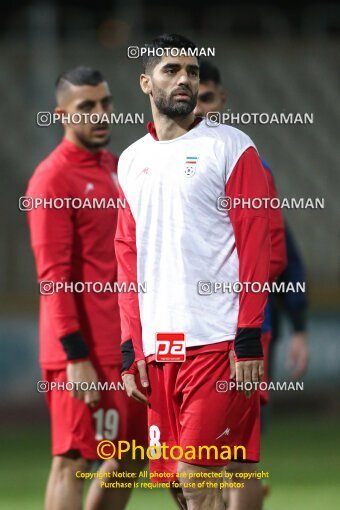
301, 454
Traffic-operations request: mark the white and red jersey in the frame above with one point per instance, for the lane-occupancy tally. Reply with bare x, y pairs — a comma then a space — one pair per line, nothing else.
173, 236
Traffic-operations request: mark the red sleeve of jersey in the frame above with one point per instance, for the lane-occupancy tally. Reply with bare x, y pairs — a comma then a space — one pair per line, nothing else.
251, 229
278, 258
51, 232
126, 253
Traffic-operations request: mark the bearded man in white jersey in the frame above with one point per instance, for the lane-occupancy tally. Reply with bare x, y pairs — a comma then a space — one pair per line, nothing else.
179, 234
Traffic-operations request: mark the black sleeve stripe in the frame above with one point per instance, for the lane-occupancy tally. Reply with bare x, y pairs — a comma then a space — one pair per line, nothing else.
128, 353
74, 346
248, 343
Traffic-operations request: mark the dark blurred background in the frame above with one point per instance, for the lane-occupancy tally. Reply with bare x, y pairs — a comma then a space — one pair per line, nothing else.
273, 58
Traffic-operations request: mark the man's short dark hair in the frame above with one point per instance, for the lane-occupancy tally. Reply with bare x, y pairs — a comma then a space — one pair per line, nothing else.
164, 41
78, 76
209, 72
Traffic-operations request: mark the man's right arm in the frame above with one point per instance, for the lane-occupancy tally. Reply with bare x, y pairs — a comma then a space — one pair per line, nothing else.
131, 346
51, 232
295, 305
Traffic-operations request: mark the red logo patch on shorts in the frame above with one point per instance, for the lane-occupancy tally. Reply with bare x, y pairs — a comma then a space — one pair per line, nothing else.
170, 347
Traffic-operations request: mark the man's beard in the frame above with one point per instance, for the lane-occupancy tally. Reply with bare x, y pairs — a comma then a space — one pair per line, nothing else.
94, 144
173, 108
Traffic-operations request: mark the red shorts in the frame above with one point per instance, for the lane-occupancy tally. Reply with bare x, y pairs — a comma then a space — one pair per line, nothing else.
75, 426
265, 340
189, 405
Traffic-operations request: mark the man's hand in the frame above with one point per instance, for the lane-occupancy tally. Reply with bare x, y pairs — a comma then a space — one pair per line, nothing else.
298, 355
130, 383
246, 371
83, 371
232, 365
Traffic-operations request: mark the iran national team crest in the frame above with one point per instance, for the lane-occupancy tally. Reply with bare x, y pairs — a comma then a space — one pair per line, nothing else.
190, 166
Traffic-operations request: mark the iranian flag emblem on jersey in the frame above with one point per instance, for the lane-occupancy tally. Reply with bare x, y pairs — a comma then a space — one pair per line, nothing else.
190, 166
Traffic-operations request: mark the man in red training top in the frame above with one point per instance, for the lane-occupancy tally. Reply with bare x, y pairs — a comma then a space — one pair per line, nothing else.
80, 331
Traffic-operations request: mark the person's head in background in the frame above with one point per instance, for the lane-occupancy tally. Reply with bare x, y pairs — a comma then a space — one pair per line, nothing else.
211, 97
83, 90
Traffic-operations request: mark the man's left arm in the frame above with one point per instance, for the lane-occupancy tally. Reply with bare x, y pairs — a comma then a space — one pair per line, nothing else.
252, 237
